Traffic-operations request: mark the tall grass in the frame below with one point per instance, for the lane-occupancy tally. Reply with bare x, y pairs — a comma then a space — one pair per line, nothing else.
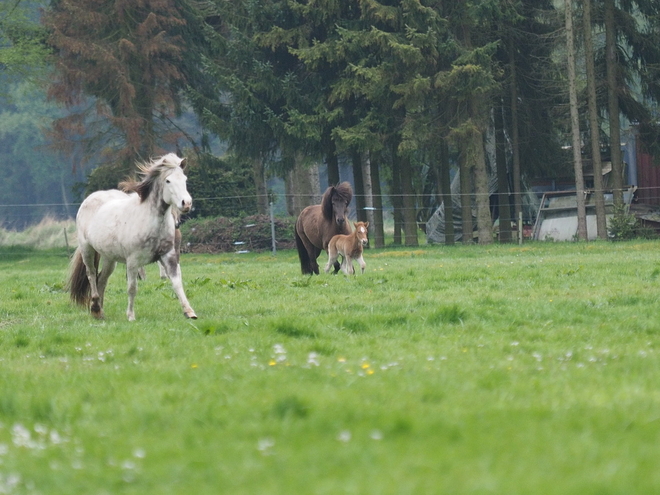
499, 369
47, 234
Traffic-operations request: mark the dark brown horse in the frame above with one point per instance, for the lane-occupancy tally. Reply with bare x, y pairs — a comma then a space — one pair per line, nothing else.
317, 224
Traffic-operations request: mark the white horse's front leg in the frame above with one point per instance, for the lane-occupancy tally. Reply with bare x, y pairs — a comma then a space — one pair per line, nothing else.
173, 271
131, 282
162, 271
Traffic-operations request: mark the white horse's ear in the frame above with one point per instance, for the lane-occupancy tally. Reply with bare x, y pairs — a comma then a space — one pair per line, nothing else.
183, 164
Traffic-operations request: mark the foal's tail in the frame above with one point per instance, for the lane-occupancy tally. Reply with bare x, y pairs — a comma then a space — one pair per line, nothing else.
305, 262
78, 286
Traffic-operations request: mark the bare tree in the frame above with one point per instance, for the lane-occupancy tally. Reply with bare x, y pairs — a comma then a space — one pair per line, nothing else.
575, 122
594, 128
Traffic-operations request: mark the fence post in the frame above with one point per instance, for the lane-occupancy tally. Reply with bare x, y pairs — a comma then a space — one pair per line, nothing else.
66, 241
272, 227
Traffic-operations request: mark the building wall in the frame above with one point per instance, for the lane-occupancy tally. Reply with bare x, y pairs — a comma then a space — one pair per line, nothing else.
648, 177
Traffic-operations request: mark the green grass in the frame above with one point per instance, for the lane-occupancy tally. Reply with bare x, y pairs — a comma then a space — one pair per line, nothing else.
499, 369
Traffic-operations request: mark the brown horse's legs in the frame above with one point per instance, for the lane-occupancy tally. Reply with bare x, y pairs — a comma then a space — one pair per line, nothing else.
314, 263
314, 253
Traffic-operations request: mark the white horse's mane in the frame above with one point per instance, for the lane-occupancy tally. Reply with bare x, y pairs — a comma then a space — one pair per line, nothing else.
148, 173
170, 160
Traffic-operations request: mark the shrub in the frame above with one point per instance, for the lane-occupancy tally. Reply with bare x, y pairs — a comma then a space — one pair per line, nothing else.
623, 225
222, 234
220, 186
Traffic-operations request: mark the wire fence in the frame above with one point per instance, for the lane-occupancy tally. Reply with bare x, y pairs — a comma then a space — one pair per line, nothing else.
18, 217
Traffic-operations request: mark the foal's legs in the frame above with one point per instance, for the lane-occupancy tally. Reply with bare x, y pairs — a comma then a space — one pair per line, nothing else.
332, 258
348, 265
170, 261
362, 263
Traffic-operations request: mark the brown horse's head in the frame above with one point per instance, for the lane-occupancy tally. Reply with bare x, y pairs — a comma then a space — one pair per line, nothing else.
361, 232
335, 203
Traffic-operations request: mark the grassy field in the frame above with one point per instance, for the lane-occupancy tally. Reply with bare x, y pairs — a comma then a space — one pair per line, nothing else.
500, 369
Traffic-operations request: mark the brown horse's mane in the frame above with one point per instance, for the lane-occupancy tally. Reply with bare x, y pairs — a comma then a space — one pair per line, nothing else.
149, 172
343, 190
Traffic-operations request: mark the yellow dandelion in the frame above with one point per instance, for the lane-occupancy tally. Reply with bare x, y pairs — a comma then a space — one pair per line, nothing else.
272, 362
365, 366
193, 366
341, 360
370, 371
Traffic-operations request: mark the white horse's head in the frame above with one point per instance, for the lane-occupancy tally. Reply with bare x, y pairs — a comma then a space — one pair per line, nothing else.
163, 182
175, 192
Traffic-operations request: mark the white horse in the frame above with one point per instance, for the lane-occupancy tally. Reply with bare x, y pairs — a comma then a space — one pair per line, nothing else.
135, 227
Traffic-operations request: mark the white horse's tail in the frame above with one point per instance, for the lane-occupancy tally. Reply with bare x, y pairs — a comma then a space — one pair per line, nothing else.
78, 285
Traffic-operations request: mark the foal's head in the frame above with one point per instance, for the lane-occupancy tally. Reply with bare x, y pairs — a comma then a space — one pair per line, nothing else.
361, 232
162, 179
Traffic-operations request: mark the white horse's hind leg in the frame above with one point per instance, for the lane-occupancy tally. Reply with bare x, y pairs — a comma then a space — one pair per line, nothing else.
88, 256
102, 279
173, 270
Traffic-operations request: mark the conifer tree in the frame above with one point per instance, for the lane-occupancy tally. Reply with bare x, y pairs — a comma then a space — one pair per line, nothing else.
128, 56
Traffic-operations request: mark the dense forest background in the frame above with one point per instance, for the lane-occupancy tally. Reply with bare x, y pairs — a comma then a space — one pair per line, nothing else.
402, 97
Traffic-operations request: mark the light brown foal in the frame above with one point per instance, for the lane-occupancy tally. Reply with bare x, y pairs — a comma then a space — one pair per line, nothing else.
350, 247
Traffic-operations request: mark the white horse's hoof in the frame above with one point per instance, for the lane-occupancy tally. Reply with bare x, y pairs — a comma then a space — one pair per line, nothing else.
190, 314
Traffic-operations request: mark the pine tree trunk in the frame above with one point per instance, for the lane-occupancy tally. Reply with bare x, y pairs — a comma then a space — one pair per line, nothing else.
259, 177
377, 228
503, 203
315, 193
302, 186
613, 102
368, 196
409, 204
397, 199
445, 184
515, 135
358, 193
465, 171
484, 220
333, 165
575, 123
594, 128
